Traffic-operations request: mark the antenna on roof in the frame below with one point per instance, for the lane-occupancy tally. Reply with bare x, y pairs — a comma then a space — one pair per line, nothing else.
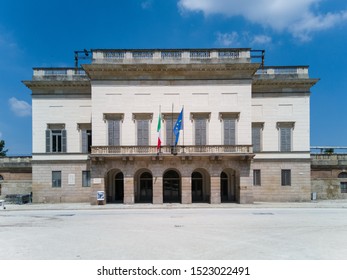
85, 54
259, 54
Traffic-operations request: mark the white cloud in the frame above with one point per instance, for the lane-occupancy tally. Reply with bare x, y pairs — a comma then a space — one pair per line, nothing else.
228, 39
0, 135
261, 40
295, 16
146, 4
19, 107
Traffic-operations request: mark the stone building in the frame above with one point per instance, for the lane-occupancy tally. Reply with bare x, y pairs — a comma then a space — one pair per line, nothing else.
244, 135
15, 175
329, 175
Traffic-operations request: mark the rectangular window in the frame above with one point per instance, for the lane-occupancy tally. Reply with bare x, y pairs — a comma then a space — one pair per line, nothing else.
285, 177
343, 186
200, 131
257, 137
285, 136
169, 124
86, 178
56, 179
229, 125
114, 132
142, 132
256, 177
56, 140
86, 140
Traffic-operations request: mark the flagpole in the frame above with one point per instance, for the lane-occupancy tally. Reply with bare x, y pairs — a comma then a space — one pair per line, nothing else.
183, 125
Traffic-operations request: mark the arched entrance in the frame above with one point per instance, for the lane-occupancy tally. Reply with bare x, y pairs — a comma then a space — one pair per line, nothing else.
228, 186
115, 186
200, 186
144, 191
171, 187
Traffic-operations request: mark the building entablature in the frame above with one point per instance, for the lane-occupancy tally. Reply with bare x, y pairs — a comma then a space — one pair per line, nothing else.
171, 71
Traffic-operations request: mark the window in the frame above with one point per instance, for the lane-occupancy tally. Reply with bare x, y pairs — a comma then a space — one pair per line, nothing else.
56, 179
56, 138
143, 132
342, 175
285, 136
113, 132
285, 177
169, 124
256, 177
86, 140
229, 125
343, 186
257, 136
200, 131
86, 178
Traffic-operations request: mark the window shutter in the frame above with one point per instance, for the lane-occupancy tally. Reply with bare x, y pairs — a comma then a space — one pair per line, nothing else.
143, 132
63, 141
200, 131
113, 132
84, 141
285, 135
48, 141
229, 132
256, 136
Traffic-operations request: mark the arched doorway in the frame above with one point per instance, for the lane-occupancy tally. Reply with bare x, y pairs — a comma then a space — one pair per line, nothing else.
144, 192
197, 187
228, 186
171, 187
115, 186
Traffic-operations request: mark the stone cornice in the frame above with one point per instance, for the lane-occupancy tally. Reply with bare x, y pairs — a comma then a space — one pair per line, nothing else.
41, 84
170, 71
261, 85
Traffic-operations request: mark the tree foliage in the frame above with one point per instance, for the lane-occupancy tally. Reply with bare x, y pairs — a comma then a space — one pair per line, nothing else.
2, 148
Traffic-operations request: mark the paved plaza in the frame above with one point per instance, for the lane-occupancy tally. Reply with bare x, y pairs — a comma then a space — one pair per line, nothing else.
242, 232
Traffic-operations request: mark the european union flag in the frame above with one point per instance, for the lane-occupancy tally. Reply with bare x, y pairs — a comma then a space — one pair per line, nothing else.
178, 126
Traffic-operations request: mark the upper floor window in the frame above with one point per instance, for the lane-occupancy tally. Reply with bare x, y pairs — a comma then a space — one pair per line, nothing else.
229, 120
257, 135
56, 138
114, 121
142, 121
285, 136
86, 137
170, 120
342, 175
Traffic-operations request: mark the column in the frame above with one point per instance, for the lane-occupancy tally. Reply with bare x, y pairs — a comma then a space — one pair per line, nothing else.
186, 190
215, 190
128, 190
158, 190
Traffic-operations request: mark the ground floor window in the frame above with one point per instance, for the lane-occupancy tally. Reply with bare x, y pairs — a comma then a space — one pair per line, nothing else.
56, 179
256, 177
86, 178
343, 186
285, 177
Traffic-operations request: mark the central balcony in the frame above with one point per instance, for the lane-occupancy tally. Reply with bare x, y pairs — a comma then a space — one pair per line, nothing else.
169, 150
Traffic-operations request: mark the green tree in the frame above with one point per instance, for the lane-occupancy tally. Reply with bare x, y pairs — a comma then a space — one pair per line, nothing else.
2, 148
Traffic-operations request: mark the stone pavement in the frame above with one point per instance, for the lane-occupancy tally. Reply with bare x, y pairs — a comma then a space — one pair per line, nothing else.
87, 206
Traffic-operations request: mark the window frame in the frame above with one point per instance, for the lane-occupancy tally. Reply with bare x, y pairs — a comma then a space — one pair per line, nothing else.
285, 136
56, 181
286, 177
86, 178
257, 147
257, 177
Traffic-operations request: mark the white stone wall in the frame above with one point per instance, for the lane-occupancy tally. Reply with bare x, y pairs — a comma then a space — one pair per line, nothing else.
69, 111
283, 108
213, 99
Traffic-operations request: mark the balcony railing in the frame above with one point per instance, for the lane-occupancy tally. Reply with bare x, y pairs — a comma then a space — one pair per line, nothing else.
59, 74
167, 56
166, 150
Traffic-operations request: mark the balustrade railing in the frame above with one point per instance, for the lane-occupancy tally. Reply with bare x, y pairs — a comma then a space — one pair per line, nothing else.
145, 150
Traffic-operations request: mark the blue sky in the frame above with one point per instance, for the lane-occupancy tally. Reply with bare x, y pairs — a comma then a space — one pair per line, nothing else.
40, 33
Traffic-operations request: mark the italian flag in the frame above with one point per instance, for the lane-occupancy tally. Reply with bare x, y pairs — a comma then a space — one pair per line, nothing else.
159, 132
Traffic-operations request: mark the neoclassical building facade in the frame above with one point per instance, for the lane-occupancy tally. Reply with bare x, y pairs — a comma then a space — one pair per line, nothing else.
244, 135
